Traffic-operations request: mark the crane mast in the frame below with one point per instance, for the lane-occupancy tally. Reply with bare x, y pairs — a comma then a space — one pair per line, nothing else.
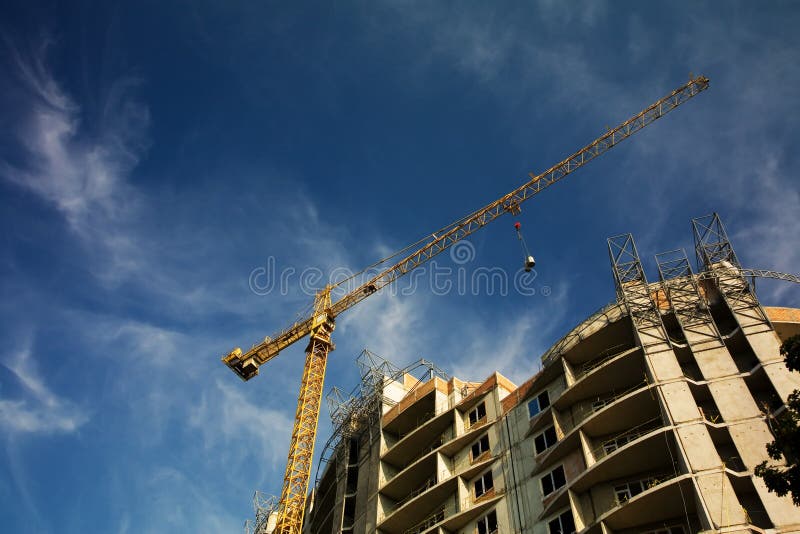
320, 324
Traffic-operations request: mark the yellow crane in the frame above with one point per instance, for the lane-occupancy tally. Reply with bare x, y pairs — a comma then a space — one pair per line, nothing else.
320, 323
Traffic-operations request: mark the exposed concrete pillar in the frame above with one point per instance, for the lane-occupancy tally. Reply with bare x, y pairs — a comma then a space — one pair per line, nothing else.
721, 502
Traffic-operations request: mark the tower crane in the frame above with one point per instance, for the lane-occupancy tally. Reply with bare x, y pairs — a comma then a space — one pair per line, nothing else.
319, 325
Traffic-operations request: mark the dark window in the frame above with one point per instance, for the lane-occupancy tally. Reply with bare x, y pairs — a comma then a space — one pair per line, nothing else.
538, 404
563, 524
484, 484
545, 440
488, 523
478, 414
480, 446
553, 480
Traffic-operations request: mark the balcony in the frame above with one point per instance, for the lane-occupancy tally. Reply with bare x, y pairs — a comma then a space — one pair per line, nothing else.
662, 502
604, 357
470, 509
590, 409
456, 515
598, 337
426, 501
647, 454
436, 501
432, 433
701, 394
427, 523
613, 373
761, 388
412, 412
745, 491
626, 413
451, 447
612, 443
410, 478
540, 421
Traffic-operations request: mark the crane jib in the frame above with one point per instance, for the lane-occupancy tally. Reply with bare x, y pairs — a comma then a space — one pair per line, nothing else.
246, 364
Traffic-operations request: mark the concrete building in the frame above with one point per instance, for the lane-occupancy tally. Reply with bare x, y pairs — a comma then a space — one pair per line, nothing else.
648, 417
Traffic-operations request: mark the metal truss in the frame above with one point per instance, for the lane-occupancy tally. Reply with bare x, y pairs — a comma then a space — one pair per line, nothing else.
750, 273
634, 292
608, 312
354, 414
715, 255
689, 304
246, 364
711, 243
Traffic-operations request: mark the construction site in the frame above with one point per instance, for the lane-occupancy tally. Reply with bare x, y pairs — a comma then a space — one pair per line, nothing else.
649, 416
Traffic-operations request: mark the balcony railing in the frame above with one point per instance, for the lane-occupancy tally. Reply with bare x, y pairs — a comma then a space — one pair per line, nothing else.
648, 484
585, 411
428, 522
420, 421
445, 511
447, 436
391, 507
610, 445
606, 355
428, 484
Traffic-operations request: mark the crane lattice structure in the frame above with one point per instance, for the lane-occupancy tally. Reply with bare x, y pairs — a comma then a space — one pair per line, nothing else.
355, 412
319, 325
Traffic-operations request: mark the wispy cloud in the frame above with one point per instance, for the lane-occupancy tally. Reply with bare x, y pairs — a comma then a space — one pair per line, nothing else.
179, 501
38, 410
80, 173
512, 345
393, 326
237, 431
143, 342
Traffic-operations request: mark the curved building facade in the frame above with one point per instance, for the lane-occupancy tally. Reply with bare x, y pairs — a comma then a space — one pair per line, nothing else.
617, 436
648, 417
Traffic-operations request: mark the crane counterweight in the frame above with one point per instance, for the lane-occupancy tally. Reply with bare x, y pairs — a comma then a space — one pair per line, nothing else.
245, 369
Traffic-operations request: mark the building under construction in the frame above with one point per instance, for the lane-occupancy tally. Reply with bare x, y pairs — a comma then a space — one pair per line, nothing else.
648, 417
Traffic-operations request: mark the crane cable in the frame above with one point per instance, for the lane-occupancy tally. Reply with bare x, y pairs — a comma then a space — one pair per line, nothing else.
525, 250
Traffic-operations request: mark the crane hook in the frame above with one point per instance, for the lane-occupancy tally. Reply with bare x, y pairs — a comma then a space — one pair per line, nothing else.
529, 262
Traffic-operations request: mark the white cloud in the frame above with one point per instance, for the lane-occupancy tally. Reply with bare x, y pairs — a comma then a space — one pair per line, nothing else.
81, 172
156, 345
773, 236
181, 502
82, 175
512, 346
238, 432
394, 326
39, 410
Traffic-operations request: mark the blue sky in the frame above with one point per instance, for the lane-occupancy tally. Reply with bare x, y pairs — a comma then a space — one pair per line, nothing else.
154, 157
